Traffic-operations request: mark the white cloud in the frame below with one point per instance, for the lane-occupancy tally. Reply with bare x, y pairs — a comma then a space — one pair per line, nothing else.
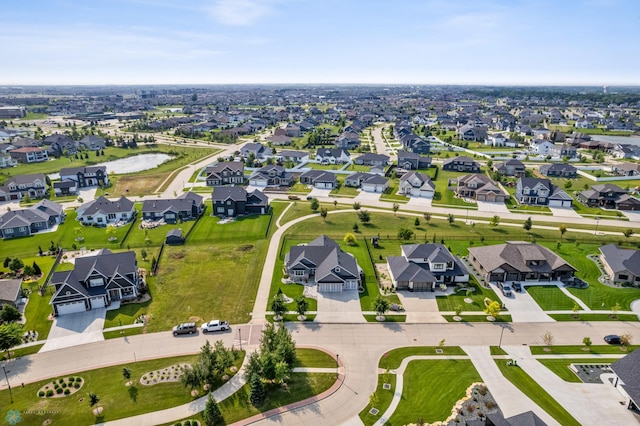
240, 12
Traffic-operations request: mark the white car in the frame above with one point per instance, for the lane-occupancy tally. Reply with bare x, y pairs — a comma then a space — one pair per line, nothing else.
214, 325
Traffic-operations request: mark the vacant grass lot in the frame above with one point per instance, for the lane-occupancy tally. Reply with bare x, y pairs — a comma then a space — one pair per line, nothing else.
550, 298
243, 229
533, 390
432, 396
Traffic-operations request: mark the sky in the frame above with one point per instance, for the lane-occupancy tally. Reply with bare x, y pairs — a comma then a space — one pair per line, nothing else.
493, 42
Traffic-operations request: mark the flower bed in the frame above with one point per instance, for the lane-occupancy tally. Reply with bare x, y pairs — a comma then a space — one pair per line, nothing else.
59, 388
166, 375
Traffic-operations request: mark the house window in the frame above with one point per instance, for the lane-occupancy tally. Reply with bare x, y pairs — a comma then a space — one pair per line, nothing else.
623, 277
220, 209
298, 273
228, 202
99, 219
96, 282
111, 216
8, 231
22, 229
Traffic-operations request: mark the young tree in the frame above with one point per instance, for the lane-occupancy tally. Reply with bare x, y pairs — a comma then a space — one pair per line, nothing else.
451, 218
9, 313
221, 359
416, 222
277, 306
587, 342
16, 264
211, 414
10, 336
364, 216
36, 268
93, 399
614, 309
349, 239
257, 393
427, 217
253, 367
395, 208
356, 206
495, 221
323, 214
562, 228
315, 204
405, 233
380, 306
355, 227
492, 309
527, 224
301, 305
547, 338
144, 254
627, 233
625, 339
126, 373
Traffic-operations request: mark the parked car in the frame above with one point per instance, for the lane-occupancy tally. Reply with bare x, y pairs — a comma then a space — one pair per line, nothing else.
214, 325
517, 286
294, 197
309, 198
613, 339
505, 288
185, 328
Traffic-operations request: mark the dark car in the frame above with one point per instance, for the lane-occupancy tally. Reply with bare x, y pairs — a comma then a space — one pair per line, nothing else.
309, 197
517, 286
185, 328
613, 339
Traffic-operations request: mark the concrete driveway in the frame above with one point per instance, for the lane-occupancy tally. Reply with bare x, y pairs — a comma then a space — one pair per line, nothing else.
487, 206
564, 212
522, 307
364, 196
418, 202
339, 307
76, 329
319, 193
421, 306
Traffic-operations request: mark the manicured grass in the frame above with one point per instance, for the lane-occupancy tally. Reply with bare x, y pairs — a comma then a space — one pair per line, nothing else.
444, 195
117, 399
299, 188
20, 352
293, 317
561, 366
123, 333
139, 237
392, 359
317, 166
344, 191
478, 318
300, 386
496, 350
579, 349
314, 358
448, 303
550, 298
594, 317
248, 228
37, 312
388, 318
126, 314
533, 390
432, 396
384, 399
390, 194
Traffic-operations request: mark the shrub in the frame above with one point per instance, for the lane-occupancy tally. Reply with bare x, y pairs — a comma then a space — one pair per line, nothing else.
76, 385
49, 393
71, 379
64, 385
67, 391
57, 386
41, 394
59, 391
187, 423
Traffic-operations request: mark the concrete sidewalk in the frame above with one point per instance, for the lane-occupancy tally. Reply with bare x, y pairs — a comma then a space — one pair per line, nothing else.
508, 397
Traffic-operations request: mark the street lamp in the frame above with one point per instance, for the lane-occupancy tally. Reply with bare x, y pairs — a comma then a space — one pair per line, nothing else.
338, 362
4, 365
501, 333
240, 337
597, 222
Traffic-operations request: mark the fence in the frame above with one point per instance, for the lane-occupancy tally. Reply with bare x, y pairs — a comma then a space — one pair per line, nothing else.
45, 283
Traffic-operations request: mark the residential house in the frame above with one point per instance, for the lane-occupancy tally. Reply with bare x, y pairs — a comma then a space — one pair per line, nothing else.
101, 211
511, 167
368, 182
296, 157
408, 160
332, 156
232, 201
29, 154
603, 195
225, 173
372, 159
257, 149
558, 170
563, 151
86, 176
323, 261
65, 187
187, 206
622, 265
471, 132
414, 143
519, 261
20, 186
537, 191
319, 179
497, 139
6, 160
416, 184
61, 144
92, 143
627, 169
541, 146
479, 187
293, 130
95, 282
347, 140
461, 164
10, 292
271, 175
424, 266
627, 379
26, 142
21, 223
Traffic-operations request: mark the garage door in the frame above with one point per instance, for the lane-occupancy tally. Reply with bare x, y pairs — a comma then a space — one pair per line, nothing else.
71, 308
330, 287
97, 302
555, 203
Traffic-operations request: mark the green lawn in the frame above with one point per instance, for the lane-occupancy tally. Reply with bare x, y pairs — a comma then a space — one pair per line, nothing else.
432, 396
594, 317
384, 397
448, 303
344, 191
446, 197
248, 228
561, 366
550, 298
392, 359
596, 349
390, 194
479, 318
314, 358
139, 237
533, 390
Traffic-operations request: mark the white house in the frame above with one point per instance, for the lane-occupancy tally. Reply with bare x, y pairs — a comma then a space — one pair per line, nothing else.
416, 184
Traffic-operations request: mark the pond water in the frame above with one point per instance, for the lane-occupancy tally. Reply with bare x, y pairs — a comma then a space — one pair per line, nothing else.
630, 140
137, 163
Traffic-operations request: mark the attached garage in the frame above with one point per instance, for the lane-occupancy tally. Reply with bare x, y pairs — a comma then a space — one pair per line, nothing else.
420, 286
559, 203
97, 302
351, 285
71, 308
329, 287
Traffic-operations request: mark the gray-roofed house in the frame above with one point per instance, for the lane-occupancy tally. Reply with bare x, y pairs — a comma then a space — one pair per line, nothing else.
461, 164
92, 143
186, 206
10, 292
537, 191
225, 173
332, 156
559, 170
519, 261
412, 161
368, 182
511, 167
21, 223
606, 195
372, 159
479, 187
236, 201
20, 186
627, 380
257, 149
96, 282
65, 187
102, 211
622, 265
86, 176
416, 184
323, 261
295, 157
424, 266
271, 175
319, 179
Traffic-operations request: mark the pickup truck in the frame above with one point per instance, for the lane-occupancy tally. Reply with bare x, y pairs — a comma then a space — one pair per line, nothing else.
214, 325
505, 288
